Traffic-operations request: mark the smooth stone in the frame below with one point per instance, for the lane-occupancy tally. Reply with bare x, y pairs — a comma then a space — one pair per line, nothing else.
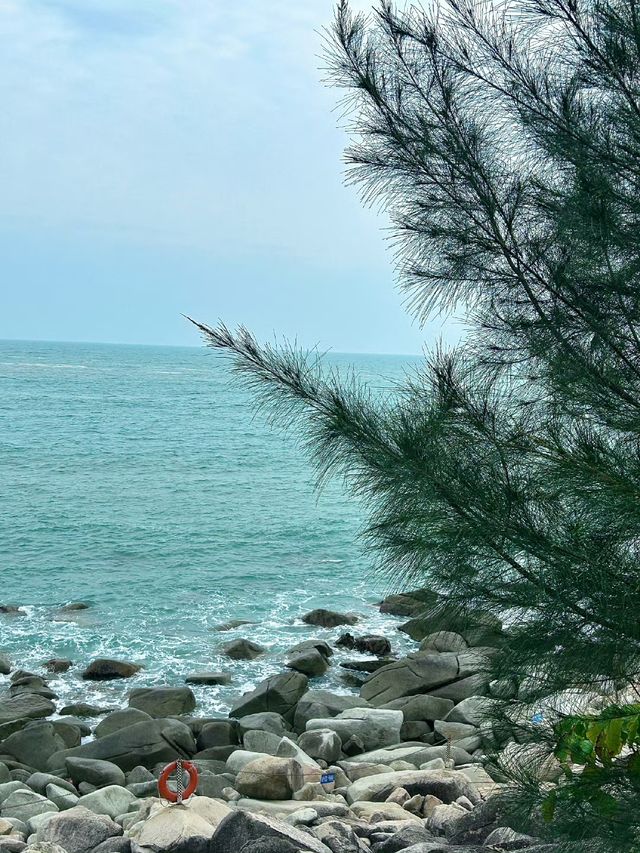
322, 744
239, 759
319, 704
106, 669
443, 641
231, 624
71, 731
160, 702
83, 709
471, 711
421, 707
217, 733
121, 720
94, 771
417, 673
34, 745
243, 649
270, 778
111, 801
62, 798
320, 645
329, 618
5, 664
310, 662
7, 788
411, 603
25, 706
382, 811
375, 727
58, 665
448, 785
25, 804
209, 678
263, 742
266, 721
289, 749
370, 644
38, 782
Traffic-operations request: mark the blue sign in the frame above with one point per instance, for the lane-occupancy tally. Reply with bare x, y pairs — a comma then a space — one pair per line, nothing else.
327, 777
537, 718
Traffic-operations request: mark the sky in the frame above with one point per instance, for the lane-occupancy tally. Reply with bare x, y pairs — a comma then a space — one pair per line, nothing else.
164, 157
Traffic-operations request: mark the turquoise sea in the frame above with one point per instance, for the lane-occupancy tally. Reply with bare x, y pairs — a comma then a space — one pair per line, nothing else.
140, 480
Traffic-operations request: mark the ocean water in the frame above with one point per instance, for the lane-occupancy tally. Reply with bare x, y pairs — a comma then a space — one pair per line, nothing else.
140, 480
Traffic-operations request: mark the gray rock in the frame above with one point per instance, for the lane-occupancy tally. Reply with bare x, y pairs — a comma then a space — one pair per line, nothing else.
477, 628
144, 789
339, 837
318, 704
5, 664
111, 801
464, 688
239, 759
448, 785
411, 603
454, 731
241, 828
10, 844
161, 702
105, 669
404, 838
121, 720
79, 830
280, 693
270, 778
265, 742
209, 678
114, 845
320, 645
323, 744
211, 785
38, 782
329, 618
370, 644
418, 673
12, 610
138, 775
83, 709
25, 805
71, 730
25, 706
37, 822
443, 641
58, 665
289, 749
145, 744
34, 744
63, 798
373, 726
421, 707
4, 774
243, 650
310, 662
231, 624
267, 721
94, 771
217, 733
7, 788
471, 711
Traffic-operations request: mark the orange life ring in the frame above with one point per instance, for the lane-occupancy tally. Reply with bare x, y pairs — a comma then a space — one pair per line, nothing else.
163, 782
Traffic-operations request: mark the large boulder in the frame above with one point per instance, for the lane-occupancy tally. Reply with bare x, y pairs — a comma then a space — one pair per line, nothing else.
25, 706
280, 693
320, 645
243, 649
105, 669
217, 733
34, 744
182, 830
478, 628
121, 720
94, 771
411, 603
209, 678
161, 702
5, 664
310, 662
145, 744
270, 778
375, 727
317, 704
447, 785
78, 830
264, 721
240, 829
421, 707
111, 801
323, 744
422, 672
329, 618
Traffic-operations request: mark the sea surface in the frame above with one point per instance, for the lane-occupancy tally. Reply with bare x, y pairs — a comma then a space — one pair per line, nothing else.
141, 480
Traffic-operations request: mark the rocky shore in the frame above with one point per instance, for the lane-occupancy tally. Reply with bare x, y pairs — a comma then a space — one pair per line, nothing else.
394, 766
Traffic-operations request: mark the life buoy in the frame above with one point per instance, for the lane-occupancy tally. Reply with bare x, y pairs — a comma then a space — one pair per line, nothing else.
163, 782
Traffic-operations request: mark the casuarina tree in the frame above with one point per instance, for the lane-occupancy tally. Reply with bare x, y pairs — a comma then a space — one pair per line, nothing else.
504, 143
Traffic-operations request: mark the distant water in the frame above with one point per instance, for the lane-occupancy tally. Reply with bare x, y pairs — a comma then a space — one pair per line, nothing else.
138, 479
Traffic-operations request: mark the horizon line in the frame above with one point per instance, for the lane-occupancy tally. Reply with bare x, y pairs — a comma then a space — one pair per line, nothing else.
189, 346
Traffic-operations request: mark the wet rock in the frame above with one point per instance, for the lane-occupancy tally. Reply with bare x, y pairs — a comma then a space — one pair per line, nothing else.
477, 628
25, 706
121, 720
320, 645
310, 662
78, 830
5, 664
457, 691
94, 771
280, 693
105, 669
34, 744
162, 702
83, 709
270, 778
418, 673
266, 721
231, 624
74, 606
409, 603
209, 678
240, 829
367, 666
243, 650
371, 644
32, 684
317, 704
71, 730
58, 665
12, 610
329, 618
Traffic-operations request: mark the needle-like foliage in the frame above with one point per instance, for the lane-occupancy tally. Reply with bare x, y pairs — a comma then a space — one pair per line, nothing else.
504, 143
